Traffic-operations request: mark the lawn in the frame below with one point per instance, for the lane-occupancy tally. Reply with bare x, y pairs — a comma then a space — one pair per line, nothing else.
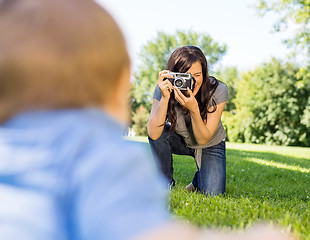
269, 184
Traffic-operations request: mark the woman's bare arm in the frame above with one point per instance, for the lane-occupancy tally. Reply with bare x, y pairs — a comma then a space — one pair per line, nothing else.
158, 113
203, 130
157, 118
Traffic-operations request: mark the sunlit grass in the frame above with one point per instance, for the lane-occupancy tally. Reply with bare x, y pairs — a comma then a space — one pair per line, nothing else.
279, 165
268, 184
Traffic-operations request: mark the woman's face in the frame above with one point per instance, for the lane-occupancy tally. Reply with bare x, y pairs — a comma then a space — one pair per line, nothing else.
196, 71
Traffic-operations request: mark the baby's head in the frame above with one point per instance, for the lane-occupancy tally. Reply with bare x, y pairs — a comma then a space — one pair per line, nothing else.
57, 54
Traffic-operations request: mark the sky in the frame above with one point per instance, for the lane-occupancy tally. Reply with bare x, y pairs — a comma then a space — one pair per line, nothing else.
249, 38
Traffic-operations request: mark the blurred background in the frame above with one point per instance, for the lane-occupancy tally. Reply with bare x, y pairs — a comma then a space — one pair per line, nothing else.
259, 49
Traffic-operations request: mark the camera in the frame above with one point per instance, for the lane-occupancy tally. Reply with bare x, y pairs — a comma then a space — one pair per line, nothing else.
182, 80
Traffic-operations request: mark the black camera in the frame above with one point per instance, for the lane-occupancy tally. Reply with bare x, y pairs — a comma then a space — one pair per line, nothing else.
182, 80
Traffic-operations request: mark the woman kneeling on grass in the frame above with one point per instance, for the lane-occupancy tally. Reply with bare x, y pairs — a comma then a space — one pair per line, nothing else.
194, 124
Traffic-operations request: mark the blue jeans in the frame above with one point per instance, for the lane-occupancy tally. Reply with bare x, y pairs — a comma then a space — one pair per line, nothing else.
210, 179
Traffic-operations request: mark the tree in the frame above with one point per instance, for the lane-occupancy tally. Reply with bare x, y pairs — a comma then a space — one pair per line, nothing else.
140, 119
304, 75
230, 76
295, 11
270, 106
298, 13
155, 54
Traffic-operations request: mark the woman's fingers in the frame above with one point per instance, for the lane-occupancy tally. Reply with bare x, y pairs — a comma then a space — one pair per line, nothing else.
162, 75
188, 102
190, 93
178, 96
165, 88
165, 85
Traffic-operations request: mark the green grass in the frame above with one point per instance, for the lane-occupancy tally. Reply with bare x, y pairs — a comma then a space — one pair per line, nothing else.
269, 184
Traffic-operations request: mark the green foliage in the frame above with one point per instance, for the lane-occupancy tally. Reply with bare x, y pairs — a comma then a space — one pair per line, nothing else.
304, 75
140, 119
296, 11
155, 54
306, 116
270, 107
230, 76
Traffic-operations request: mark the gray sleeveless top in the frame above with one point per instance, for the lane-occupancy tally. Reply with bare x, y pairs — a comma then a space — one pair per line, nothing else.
184, 126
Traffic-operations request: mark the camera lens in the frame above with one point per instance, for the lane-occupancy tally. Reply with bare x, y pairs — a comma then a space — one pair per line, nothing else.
178, 82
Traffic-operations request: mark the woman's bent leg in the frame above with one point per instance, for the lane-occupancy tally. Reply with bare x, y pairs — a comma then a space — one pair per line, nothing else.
163, 147
212, 173
162, 154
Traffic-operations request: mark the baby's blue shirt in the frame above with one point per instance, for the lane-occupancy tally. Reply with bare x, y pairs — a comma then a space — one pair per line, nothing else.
68, 174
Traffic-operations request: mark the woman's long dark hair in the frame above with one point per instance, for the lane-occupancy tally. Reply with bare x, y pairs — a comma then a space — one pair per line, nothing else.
181, 60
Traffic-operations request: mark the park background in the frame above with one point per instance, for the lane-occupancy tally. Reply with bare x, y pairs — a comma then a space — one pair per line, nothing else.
261, 51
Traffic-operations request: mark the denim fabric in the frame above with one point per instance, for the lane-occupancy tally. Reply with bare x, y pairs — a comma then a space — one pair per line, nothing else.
210, 179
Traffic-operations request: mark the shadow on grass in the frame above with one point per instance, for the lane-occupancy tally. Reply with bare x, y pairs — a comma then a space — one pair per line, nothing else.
279, 158
276, 181
283, 179
247, 178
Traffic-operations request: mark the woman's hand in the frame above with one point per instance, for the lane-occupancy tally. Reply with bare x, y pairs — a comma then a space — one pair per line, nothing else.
159, 110
165, 86
189, 102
